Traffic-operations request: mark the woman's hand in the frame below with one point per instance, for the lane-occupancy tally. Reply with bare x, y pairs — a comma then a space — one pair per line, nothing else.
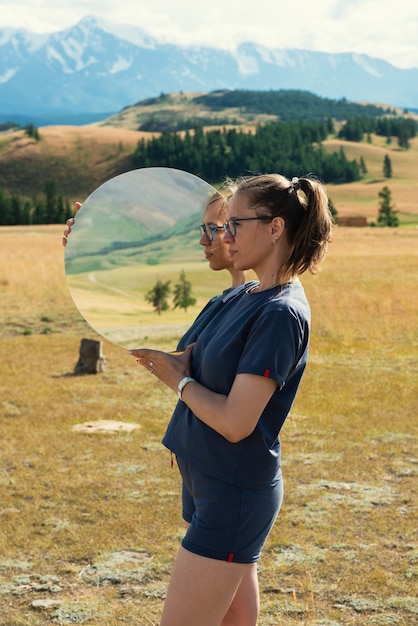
70, 222
169, 368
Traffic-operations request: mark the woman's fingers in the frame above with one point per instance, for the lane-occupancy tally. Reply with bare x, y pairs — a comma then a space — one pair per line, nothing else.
70, 222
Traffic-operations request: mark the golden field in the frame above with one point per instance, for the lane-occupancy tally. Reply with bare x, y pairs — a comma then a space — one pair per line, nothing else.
90, 521
361, 198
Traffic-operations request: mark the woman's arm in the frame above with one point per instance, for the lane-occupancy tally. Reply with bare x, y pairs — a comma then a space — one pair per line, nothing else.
234, 416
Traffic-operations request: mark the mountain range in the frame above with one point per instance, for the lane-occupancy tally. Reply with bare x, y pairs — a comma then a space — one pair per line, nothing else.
94, 69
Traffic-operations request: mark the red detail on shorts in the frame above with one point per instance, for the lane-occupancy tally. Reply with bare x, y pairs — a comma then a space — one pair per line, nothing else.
230, 557
266, 373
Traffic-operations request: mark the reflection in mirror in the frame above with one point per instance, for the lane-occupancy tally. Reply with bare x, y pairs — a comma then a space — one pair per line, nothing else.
135, 231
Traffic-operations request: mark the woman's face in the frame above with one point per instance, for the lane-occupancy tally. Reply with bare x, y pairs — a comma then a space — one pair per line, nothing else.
251, 246
216, 251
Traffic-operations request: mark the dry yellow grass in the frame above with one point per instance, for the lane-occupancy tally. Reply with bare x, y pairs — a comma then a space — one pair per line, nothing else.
77, 158
182, 104
362, 198
92, 521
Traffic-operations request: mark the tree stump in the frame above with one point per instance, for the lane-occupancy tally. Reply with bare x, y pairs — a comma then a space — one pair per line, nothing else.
91, 359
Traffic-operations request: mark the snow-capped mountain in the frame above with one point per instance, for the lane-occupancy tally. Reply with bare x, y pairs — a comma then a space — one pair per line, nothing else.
98, 68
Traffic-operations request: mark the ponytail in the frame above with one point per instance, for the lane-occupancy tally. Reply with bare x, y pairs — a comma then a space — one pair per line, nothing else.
311, 238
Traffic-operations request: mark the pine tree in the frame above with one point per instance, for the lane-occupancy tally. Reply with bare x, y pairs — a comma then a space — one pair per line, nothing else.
182, 293
333, 211
16, 209
51, 199
32, 131
403, 139
26, 217
39, 213
6, 212
157, 296
387, 167
387, 215
61, 215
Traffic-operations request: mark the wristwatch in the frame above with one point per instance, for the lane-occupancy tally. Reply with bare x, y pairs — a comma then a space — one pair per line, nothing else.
184, 381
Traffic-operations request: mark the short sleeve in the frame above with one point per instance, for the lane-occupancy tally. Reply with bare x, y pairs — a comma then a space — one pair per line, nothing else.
276, 344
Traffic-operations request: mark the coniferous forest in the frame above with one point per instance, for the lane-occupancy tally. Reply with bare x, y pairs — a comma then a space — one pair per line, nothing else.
49, 208
290, 142
291, 148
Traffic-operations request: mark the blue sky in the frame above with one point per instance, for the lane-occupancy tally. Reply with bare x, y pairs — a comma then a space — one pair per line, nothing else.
378, 28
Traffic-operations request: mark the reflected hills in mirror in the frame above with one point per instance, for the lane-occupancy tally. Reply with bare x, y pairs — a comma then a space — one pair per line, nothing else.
134, 230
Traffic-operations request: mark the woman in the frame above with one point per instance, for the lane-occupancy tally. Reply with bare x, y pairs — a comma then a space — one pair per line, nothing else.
236, 385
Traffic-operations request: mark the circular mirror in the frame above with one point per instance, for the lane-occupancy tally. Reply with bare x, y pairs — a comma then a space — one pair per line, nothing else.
135, 239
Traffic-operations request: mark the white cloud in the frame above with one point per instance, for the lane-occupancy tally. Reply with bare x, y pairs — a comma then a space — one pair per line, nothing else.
377, 28
7, 75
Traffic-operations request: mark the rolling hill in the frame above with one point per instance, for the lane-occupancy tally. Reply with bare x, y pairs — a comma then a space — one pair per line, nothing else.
80, 158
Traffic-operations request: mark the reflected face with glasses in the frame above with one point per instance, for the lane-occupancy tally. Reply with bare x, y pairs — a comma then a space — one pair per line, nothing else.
212, 235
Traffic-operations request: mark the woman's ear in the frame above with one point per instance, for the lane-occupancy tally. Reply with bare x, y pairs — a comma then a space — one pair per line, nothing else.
278, 226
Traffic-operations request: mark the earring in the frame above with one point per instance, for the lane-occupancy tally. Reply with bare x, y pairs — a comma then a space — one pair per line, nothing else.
274, 241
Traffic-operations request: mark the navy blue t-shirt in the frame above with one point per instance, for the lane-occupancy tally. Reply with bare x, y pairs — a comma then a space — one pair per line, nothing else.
209, 310
264, 333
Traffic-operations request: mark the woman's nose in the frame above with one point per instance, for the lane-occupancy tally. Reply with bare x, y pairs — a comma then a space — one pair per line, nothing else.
204, 241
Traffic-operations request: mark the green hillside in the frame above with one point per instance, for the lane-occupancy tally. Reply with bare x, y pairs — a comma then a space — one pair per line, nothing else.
80, 159
182, 111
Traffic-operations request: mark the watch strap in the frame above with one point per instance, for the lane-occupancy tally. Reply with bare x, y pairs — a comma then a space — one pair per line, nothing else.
184, 381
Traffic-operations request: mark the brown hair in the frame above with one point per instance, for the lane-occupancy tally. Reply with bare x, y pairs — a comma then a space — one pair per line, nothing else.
303, 205
216, 197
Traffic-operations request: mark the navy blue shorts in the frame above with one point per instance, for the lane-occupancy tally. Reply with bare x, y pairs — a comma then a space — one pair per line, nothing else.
227, 522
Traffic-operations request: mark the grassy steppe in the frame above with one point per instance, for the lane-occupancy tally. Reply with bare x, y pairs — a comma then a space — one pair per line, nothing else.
77, 158
361, 198
91, 521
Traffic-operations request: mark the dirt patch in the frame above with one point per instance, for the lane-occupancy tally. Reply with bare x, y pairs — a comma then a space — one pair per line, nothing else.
105, 426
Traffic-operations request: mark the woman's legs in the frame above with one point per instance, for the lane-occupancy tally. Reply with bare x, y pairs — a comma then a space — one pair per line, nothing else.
202, 591
245, 606
207, 591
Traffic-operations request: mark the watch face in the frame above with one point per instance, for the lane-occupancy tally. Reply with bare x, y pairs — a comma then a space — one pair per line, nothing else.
134, 244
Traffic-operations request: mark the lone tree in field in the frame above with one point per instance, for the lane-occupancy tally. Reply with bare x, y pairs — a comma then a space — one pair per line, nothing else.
182, 293
387, 214
157, 296
363, 166
32, 131
387, 167
333, 211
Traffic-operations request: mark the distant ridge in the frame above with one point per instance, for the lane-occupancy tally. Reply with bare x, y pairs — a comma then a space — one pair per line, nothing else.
93, 69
